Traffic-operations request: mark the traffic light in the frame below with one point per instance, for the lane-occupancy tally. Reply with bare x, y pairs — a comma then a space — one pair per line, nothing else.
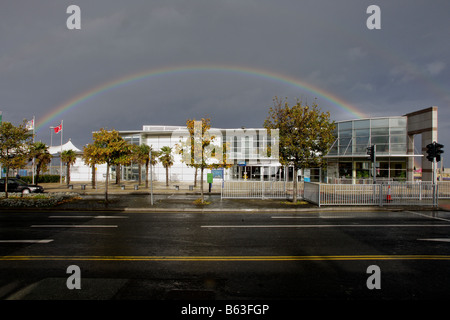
438, 151
371, 153
431, 151
434, 150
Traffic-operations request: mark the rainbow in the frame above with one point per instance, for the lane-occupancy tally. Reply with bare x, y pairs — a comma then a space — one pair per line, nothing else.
166, 71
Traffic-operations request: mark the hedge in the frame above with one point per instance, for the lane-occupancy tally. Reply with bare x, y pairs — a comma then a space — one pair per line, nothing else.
46, 178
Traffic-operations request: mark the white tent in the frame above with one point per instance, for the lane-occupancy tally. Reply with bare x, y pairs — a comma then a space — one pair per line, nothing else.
67, 146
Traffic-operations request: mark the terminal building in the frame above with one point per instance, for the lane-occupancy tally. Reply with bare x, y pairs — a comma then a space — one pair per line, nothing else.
393, 138
347, 160
245, 156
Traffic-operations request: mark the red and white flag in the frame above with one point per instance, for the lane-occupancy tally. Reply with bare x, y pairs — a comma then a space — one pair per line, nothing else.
30, 125
58, 128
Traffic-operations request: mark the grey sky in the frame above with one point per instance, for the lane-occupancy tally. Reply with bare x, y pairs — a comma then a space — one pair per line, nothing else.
401, 68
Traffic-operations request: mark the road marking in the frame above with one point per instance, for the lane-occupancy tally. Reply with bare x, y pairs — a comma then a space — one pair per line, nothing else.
72, 226
91, 217
330, 226
314, 217
26, 241
225, 258
424, 215
437, 239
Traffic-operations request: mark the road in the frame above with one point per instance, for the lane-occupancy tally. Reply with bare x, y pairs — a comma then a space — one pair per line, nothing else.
233, 256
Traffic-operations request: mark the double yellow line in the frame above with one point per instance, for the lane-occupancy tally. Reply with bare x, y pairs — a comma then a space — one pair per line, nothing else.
226, 258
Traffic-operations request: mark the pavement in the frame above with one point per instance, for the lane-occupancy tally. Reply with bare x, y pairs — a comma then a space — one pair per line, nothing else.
181, 197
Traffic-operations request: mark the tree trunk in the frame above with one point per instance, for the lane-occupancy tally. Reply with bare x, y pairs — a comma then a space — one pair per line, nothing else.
93, 176
140, 174
118, 173
68, 174
146, 175
167, 176
38, 171
201, 183
195, 177
294, 196
106, 182
6, 182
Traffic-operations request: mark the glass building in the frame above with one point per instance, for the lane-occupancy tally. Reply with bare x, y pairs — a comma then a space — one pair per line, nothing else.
348, 160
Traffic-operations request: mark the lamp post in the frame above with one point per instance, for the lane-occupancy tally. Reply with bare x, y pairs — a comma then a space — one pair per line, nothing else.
151, 179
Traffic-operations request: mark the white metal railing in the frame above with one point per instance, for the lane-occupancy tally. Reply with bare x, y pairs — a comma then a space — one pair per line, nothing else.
349, 194
383, 194
401, 193
259, 189
443, 189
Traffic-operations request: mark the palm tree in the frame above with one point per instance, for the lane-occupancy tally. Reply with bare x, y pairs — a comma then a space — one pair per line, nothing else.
90, 159
153, 160
69, 157
141, 156
42, 157
166, 160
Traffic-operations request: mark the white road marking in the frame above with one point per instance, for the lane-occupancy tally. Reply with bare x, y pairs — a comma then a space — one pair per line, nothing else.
330, 226
424, 215
72, 226
437, 239
313, 217
92, 217
26, 241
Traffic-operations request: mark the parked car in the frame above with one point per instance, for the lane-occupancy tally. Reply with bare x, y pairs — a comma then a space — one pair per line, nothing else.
17, 185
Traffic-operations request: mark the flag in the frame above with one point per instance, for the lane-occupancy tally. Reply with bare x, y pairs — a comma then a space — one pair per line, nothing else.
58, 128
30, 125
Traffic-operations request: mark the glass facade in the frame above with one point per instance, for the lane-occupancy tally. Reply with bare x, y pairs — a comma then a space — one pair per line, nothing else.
348, 159
354, 136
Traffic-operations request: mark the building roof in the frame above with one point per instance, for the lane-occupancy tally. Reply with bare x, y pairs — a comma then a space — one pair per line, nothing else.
67, 146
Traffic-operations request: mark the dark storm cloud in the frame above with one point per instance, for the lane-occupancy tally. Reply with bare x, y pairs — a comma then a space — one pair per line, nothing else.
401, 68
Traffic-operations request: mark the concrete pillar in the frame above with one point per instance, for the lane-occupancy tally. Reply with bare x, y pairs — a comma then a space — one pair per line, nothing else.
424, 122
410, 164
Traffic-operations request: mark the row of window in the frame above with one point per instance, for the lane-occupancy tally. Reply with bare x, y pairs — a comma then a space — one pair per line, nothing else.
353, 137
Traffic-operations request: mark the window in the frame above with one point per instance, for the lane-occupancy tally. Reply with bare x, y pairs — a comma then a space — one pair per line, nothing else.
380, 123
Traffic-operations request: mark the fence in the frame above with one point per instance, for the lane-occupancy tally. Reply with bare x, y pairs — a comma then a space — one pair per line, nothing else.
259, 190
387, 194
401, 193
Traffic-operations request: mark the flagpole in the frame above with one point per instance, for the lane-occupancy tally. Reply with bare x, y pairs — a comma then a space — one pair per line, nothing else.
60, 157
34, 162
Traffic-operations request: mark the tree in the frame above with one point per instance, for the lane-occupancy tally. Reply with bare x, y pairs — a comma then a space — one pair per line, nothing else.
15, 147
42, 157
305, 134
199, 151
124, 159
141, 156
153, 161
108, 147
90, 160
69, 157
166, 160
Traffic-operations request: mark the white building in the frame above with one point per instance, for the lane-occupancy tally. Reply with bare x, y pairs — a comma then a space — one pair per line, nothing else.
79, 171
245, 153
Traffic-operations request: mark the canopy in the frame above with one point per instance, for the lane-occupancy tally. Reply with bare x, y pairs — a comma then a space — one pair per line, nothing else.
67, 146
